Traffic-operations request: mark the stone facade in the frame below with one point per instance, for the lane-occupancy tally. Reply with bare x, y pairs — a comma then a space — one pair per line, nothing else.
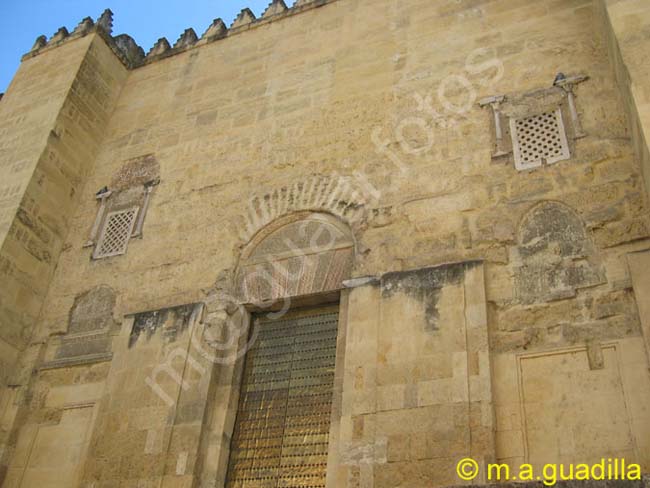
468, 181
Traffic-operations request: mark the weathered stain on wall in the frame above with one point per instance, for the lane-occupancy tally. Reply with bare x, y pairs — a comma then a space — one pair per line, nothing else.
486, 309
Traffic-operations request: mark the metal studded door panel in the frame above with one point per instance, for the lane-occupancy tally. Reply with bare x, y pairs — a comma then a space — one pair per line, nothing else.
283, 420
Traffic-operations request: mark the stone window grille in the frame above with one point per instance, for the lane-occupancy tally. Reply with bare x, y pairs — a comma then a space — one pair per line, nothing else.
112, 229
116, 233
539, 138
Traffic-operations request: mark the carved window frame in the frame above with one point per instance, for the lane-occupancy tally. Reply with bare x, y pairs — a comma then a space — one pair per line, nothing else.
507, 110
99, 230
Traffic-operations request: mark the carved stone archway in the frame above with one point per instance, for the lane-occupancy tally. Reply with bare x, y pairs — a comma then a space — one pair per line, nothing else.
342, 196
301, 254
554, 256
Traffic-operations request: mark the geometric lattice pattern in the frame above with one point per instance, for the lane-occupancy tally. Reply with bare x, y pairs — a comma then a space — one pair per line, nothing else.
539, 139
115, 235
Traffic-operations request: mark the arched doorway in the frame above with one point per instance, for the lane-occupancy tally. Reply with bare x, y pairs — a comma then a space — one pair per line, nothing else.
281, 432
302, 254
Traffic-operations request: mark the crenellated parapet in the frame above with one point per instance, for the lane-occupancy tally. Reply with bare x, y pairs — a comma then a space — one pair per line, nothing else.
123, 45
133, 56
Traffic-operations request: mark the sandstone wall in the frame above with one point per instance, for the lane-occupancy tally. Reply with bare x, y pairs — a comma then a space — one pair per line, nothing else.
417, 394
368, 111
625, 24
26, 129
53, 117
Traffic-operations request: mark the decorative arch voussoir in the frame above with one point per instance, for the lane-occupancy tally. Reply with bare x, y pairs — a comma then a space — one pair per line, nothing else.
336, 195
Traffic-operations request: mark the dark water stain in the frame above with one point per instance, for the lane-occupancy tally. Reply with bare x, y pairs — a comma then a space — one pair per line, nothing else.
172, 320
425, 285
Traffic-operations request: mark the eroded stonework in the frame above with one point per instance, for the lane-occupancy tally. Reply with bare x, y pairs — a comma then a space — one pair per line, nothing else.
556, 255
463, 184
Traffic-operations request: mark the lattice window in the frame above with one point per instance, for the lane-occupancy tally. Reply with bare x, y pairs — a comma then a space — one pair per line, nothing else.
539, 139
116, 232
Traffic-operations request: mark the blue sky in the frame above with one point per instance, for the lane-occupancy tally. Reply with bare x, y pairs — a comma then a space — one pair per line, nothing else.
21, 22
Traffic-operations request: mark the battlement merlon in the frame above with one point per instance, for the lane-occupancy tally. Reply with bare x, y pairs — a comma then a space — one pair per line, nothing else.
133, 56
